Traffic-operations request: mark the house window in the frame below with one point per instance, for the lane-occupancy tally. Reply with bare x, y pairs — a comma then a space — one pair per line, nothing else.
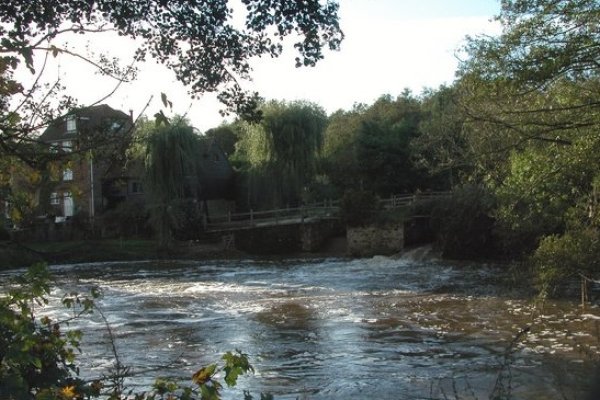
67, 146
68, 174
54, 198
215, 157
71, 124
68, 206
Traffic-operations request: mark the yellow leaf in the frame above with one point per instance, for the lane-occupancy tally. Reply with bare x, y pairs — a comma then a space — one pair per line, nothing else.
203, 375
68, 392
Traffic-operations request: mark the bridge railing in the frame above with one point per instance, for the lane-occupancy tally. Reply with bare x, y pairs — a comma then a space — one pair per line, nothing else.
403, 200
326, 208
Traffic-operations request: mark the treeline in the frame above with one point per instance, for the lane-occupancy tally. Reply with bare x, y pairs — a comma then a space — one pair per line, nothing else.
297, 154
516, 137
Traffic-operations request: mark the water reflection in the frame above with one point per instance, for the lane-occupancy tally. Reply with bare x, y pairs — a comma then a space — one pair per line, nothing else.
378, 327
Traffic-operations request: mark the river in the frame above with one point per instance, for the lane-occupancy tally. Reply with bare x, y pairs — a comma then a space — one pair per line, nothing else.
335, 328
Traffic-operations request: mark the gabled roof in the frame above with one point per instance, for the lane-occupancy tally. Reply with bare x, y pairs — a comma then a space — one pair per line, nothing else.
89, 118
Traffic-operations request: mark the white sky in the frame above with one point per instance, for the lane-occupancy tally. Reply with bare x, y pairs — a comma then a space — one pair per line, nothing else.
390, 45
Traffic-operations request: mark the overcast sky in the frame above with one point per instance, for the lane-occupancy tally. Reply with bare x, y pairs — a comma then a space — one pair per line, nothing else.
390, 45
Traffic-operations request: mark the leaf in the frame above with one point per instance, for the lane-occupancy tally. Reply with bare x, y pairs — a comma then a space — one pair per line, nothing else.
165, 100
235, 365
204, 375
36, 362
55, 50
27, 54
210, 392
231, 375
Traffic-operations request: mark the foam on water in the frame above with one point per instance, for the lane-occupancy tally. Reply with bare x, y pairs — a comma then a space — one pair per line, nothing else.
337, 327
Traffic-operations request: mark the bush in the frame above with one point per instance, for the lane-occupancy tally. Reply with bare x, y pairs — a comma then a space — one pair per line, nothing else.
463, 224
562, 257
127, 219
37, 356
192, 220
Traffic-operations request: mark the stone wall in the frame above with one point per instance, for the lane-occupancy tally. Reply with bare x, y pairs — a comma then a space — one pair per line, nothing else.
375, 240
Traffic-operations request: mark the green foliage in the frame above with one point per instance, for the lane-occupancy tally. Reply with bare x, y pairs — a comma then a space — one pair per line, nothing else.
171, 160
526, 105
440, 146
383, 158
128, 219
464, 225
36, 355
542, 41
226, 135
339, 147
371, 145
561, 257
236, 364
172, 175
282, 152
546, 188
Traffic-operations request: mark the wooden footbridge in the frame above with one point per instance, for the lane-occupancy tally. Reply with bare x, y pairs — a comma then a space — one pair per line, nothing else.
328, 209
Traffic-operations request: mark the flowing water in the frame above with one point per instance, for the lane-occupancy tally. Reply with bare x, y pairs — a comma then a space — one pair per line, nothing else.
334, 328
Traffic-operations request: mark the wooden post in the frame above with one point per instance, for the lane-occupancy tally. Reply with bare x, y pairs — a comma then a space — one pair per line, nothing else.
251, 217
204, 222
583, 292
229, 216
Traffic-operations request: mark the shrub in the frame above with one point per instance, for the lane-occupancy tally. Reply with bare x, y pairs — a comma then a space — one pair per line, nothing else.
463, 224
127, 219
37, 356
562, 257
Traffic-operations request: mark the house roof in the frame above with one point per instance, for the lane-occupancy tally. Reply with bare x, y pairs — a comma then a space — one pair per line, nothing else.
93, 118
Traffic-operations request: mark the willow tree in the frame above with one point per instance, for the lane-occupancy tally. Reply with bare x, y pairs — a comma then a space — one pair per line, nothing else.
282, 150
172, 171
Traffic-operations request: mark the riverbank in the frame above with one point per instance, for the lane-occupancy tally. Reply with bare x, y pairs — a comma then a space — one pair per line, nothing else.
15, 255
